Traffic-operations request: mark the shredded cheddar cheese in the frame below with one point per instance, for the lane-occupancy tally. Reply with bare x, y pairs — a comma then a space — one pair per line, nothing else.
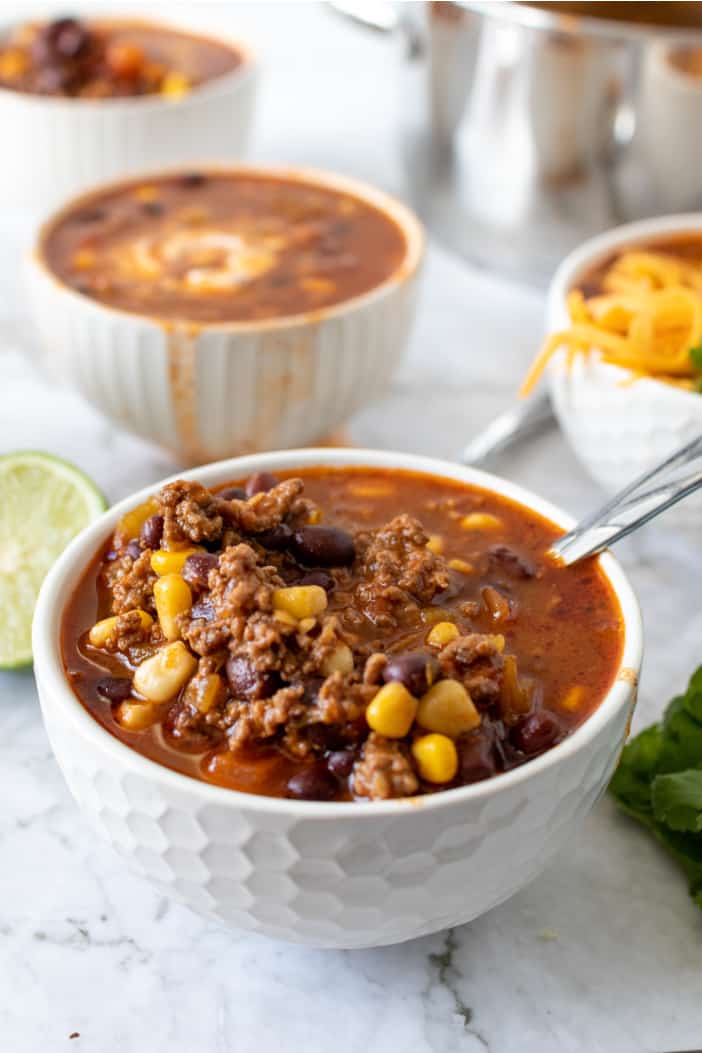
647, 319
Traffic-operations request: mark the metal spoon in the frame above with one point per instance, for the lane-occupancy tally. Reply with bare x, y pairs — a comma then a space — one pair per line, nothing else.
658, 489
522, 421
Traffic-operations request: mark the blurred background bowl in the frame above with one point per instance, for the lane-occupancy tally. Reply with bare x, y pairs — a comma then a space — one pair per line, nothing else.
207, 391
619, 427
55, 147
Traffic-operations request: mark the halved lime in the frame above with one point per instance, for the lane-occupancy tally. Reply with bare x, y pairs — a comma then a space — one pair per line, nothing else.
44, 502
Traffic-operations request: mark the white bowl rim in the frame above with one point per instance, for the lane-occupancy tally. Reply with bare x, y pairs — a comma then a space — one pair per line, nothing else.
640, 234
153, 100
64, 575
399, 213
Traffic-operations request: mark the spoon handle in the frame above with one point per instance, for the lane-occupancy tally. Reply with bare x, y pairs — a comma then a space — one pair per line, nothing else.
660, 488
527, 418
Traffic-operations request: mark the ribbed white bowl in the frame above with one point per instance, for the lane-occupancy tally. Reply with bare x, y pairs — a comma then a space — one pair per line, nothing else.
618, 428
210, 391
330, 874
54, 148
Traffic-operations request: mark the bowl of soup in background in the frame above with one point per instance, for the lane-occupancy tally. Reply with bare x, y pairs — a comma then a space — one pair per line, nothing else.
63, 134
618, 425
332, 873
230, 310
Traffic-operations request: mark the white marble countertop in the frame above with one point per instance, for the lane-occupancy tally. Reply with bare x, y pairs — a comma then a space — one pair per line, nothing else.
602, 953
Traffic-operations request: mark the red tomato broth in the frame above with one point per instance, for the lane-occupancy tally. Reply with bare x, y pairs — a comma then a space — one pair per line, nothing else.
566, 630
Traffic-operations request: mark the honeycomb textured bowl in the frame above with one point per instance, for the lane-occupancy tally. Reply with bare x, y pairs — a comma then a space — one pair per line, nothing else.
618, 428
329, 874
198, 389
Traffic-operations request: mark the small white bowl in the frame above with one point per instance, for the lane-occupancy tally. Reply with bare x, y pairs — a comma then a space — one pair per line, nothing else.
57, 147
207, 391
330, 874
619, 428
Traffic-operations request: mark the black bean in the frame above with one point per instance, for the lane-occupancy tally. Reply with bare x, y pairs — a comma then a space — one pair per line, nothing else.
313, 783
203, 609
536, 733
515, 564
197, 567
63, 39
248, 682
114, 688
317, 577
340, 763
321, 546
193, 179
259, 483
133, 549
277, 538
477, 757
152, 532
415, 669
153, 208
232, 493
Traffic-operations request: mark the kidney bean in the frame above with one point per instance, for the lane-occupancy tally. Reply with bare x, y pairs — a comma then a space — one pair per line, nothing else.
152, 532
277, 538
197, 567
317, 577
248, 682
321, 546
259, 483
233, 493
133, 549
204, 609
536, 733
53, 80
340, 763
193, 179
114, 688
514, 564
411, 670
312, 783
476, 757
63, 39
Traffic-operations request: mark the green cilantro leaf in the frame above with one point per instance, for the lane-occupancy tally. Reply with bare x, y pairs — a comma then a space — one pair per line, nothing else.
631, 783
677, 800
695, 354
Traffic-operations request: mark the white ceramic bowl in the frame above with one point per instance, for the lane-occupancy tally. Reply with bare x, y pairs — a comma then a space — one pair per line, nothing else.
330, 874
619, 429
210, 391
57, 147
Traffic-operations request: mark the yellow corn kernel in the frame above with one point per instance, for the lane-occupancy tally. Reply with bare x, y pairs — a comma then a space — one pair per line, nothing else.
573, 698
307, 624
137, 716
435, 544
436, 758
301, 601
161, 677
314, 516
372, 489
103, 630
175, 85
131, 522
146, 193
340, 660
432, 615
13, 63
172, 597
320, 286
203, 692
83, 260
163, 562
392, 711
442, 633
285, 618
448, 708
480, 521
461, 565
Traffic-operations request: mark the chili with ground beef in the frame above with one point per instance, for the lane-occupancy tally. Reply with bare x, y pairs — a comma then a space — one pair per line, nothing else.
339, 634
209, 247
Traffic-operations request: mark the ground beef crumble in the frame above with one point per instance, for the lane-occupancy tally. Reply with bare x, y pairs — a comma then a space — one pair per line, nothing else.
302, 685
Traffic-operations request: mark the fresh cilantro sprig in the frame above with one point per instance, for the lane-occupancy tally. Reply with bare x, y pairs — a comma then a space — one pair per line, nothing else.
695, 354
659, 781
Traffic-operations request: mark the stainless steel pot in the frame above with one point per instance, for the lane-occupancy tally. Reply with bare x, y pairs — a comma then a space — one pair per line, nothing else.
527, 128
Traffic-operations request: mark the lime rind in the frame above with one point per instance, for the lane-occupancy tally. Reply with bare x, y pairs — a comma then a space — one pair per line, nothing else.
44, 503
